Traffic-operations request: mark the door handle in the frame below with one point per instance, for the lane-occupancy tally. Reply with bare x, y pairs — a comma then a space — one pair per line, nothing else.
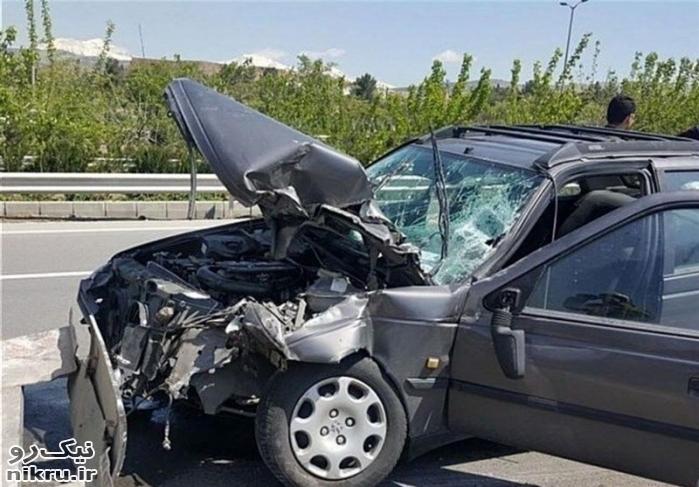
693, 387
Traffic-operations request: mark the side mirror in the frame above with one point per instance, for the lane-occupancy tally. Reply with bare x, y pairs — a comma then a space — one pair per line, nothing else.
509, 344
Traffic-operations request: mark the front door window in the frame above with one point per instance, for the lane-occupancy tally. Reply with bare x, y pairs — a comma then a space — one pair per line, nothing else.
644, 271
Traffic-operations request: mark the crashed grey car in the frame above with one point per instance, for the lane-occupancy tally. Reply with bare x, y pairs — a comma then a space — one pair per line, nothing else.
532, 285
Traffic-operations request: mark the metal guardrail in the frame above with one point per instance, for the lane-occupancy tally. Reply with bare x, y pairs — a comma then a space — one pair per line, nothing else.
60, 182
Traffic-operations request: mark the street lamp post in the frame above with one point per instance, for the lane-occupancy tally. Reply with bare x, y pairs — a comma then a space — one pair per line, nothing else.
572, 7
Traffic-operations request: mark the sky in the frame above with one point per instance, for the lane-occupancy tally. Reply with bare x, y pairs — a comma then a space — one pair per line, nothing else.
394, 41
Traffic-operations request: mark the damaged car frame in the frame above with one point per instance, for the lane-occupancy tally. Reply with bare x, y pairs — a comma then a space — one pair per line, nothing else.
532, 285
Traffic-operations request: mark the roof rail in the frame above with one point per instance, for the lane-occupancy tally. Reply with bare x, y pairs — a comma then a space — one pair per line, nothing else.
573, 142
550, 132
612, 132
511, 132
571, 136
618, 149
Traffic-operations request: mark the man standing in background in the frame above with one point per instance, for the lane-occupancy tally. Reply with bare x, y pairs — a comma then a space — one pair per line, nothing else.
692, 133
621, 112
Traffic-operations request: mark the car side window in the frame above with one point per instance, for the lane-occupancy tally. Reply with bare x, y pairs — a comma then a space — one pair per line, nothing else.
681, 279
682, 228
682, 180
645, 271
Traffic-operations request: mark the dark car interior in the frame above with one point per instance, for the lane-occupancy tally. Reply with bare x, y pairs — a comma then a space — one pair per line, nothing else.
579, 202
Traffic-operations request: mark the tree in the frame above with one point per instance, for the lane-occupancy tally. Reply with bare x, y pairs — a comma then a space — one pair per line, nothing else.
364, 87
48, 39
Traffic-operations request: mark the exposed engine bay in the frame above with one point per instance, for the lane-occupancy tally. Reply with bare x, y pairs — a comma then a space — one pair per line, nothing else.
206, 316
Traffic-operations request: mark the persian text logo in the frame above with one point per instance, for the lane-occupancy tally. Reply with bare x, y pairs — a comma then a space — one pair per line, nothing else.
22, 464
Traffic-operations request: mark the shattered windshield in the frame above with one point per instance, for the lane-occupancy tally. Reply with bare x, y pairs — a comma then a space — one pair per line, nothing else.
485, 200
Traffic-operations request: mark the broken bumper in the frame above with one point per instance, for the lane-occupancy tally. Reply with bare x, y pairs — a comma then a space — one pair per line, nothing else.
96, 409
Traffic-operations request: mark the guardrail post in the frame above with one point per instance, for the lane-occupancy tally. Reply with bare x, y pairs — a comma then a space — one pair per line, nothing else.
192, 185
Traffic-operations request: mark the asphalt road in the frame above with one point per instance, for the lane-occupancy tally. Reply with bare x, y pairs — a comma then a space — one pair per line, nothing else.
41, 266
42, 263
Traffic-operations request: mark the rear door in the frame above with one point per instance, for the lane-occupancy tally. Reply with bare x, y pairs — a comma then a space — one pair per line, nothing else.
682, 261
681, 269
678, 173
609, 363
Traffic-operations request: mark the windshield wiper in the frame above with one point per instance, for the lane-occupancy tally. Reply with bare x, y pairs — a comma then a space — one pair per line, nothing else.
441, 192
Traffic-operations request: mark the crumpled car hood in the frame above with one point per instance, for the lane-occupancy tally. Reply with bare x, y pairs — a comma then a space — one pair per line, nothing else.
262, 161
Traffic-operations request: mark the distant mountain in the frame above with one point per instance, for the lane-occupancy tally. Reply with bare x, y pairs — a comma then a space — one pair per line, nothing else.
87, 51
494, 83
88, 48
336, 72
259, 61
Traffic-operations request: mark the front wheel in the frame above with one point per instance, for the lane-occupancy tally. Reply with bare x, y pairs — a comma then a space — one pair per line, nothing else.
340, 425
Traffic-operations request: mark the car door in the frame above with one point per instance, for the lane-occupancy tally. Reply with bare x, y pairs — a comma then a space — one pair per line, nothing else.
678, 173
588, 348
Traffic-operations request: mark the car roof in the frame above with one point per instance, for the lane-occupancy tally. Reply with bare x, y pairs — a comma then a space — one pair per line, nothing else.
545, 146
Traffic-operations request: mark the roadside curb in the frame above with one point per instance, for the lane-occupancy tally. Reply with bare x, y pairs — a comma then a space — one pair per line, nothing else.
26, 360
125, 210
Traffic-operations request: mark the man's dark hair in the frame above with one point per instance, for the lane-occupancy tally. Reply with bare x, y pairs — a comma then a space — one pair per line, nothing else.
619, 108
692, 133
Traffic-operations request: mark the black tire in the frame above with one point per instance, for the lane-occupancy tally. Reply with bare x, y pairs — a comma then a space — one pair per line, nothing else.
276, 408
